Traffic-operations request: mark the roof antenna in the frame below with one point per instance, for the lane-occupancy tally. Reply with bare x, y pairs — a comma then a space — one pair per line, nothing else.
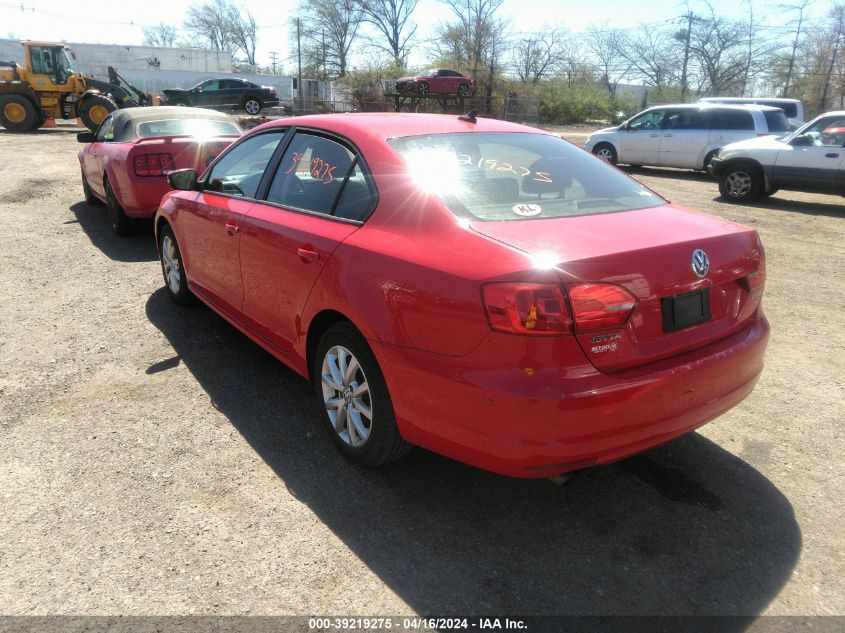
469, 116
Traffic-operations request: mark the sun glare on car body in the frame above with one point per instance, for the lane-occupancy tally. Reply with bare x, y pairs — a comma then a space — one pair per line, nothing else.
436, 171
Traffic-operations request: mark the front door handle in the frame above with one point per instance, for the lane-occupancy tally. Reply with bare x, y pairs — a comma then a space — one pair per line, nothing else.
831, 155
668, 135
232, 228
307, 256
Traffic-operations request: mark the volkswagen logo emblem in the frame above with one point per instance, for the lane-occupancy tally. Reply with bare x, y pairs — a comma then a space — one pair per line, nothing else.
700, 262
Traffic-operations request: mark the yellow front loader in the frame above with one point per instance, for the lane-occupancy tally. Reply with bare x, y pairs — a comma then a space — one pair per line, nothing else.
46, 87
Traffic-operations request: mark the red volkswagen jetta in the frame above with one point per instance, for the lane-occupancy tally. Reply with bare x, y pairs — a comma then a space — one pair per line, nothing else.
478, 288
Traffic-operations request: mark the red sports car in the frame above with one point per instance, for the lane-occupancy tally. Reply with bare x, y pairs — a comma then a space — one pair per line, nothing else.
479, 288
126, 162
437, 81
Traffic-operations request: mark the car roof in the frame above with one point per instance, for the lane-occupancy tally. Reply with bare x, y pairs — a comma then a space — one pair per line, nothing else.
711, 105
126, 119
377, 126
746, 99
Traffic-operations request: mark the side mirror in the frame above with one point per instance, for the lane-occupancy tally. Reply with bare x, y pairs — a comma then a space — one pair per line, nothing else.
86, 137
183, 179
803, 140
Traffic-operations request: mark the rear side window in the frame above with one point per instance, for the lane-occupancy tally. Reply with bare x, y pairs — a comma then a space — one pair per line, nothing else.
776, 120
320, 175
239, 171
790, 108
516, 176
731, 120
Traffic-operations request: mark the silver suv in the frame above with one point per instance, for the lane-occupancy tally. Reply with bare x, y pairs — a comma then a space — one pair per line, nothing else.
686, 135
810, 159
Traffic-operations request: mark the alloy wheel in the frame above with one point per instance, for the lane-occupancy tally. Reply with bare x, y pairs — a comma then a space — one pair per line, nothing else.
346, 395
170, 261
252, 106
606, 154
738, 184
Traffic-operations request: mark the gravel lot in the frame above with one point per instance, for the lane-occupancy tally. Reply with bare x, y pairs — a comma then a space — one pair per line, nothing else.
155, 461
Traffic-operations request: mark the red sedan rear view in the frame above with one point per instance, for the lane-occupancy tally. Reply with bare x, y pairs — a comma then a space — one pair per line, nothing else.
481, 289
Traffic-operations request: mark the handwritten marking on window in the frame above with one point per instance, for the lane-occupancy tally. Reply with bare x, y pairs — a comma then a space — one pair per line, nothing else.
318, 169
494, 165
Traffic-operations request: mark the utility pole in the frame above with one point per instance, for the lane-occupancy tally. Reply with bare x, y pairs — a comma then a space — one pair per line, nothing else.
273, 55
686, 57
299, 64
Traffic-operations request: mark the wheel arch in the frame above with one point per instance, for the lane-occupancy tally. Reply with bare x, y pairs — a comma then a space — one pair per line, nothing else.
319, 325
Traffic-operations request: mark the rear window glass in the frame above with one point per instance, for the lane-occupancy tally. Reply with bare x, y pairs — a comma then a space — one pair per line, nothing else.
513, 176
776, 120
187, 127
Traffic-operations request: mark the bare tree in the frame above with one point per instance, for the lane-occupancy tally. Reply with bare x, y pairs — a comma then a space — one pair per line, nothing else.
475, 30
651, 53
538, 55
243, 32
208, 24
329, 32
390, 18
223, 25
718, 47
161, 34
800, 8
606, 46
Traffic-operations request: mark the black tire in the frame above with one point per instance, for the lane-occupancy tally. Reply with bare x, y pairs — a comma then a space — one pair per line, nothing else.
741, 182
121, 223
770, 192
94, 109
606, 152
252, 106
383, 443
423, 89
18, 114
169, 255
463, 90
90, 198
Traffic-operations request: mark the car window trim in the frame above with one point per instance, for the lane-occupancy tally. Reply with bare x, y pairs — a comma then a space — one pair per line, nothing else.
204, 182
358, 159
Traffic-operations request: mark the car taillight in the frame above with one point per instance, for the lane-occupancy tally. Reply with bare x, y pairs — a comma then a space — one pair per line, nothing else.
525, 308
600, 306
152, 164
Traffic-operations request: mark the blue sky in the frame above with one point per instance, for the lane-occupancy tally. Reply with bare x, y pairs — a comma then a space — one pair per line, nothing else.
122, 22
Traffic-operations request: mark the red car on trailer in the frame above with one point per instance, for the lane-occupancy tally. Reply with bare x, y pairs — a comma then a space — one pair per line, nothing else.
479, 288
126, 161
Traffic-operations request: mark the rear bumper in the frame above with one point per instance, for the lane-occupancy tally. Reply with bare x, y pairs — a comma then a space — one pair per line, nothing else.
140, 199
537, 412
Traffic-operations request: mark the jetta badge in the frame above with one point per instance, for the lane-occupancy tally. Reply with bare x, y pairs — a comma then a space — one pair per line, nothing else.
700, 262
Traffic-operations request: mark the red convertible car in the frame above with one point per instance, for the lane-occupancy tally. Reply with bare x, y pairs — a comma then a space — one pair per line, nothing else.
437, 81
479, 288
126, 161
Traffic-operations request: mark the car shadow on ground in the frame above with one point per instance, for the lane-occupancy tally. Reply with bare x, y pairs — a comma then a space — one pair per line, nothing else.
671, 174
776, 203
94, 220
687, 528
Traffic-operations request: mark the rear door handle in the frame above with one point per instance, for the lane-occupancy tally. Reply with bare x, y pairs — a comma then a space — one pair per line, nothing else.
307, 256
831, 155
232, 228
655, 135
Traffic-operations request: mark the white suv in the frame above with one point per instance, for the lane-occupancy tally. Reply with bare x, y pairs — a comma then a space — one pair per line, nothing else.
685, 136
792, 108
810, 159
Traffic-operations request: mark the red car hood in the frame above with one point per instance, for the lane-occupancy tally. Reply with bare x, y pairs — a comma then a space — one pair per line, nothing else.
649, 252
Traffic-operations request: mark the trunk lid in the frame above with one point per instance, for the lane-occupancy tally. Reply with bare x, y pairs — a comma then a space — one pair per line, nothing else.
648, 252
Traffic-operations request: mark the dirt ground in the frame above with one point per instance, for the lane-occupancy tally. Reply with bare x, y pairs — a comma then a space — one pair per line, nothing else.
155, 461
